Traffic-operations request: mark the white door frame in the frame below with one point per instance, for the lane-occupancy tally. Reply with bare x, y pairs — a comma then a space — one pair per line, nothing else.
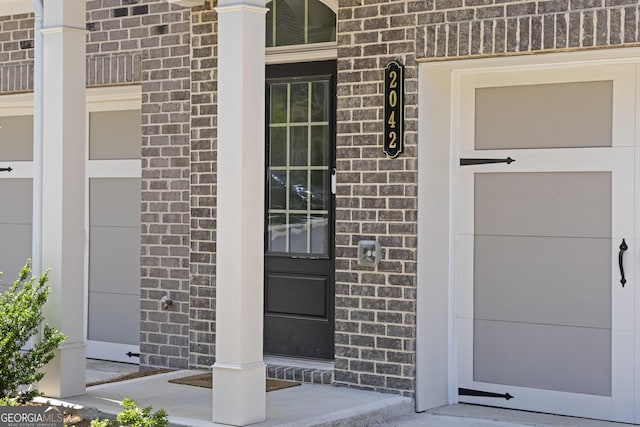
108, 99
436, 370
98, 99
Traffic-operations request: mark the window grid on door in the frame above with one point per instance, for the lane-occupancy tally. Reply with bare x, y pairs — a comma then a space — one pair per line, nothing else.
310, 209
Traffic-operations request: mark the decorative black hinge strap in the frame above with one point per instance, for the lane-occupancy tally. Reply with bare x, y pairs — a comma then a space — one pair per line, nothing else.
130, 354
479, 393
469, 162
9, 169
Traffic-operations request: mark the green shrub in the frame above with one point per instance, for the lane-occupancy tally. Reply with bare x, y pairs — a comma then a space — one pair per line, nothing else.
134, 416
100, 423
9, 401
20, 319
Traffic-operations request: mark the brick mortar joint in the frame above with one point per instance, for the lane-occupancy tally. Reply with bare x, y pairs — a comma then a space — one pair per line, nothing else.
528, 15
550, 50
136, 52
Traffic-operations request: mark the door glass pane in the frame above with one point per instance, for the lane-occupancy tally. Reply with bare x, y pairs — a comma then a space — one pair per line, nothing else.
278, 103
319, 184
299, 146
114, 260
299, 102
319, 104
278, 232
299, 192
319, 229
542, 281
319, 148
561, 115
278, 147
298, 233
278, 189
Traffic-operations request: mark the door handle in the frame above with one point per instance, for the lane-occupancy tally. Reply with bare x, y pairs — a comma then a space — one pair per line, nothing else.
623, 247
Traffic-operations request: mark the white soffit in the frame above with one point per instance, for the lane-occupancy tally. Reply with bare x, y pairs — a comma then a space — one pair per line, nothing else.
14, 7
187, 3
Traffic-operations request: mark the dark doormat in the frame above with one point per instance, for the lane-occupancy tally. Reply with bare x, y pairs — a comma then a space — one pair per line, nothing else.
204, 380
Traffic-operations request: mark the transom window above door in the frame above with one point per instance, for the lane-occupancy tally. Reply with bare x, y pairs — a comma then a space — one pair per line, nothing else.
300, 22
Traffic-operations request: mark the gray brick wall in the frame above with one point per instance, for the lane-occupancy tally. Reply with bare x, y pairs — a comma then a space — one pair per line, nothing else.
128, 42
147, 42
116, 34
472, 28
203, 185
16, 53
375, 307
166, 127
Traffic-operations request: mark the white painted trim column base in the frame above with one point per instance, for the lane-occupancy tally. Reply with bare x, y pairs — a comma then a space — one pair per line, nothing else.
66, 373
234, 385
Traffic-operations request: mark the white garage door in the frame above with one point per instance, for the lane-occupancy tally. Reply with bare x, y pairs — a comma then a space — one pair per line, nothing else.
545, 310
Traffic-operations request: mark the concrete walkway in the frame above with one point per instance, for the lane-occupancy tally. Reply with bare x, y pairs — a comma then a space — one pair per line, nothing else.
482, 416
304, 405
101, 370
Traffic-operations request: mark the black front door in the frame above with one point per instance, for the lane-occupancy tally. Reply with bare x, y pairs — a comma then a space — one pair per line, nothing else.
299, 240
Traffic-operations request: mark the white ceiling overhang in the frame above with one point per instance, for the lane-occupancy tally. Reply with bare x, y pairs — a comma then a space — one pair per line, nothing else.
14, 7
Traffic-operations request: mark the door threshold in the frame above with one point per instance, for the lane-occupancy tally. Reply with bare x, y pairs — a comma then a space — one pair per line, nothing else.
303, 370
325, 365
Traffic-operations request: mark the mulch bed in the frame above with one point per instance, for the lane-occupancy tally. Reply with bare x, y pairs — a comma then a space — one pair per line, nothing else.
73, 419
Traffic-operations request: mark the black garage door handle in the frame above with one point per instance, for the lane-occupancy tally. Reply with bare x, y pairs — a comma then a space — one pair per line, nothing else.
623, 248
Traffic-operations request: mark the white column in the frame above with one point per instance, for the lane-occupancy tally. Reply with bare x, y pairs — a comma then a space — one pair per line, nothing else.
239, 372
63, 189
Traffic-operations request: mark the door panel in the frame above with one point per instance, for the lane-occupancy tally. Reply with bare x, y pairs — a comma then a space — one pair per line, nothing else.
543, 356
15, 228
113, 274
541, 312
297, 295
543, 281
16, 217
579, 116
541, 296
16, 134
114, 268
299, 238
